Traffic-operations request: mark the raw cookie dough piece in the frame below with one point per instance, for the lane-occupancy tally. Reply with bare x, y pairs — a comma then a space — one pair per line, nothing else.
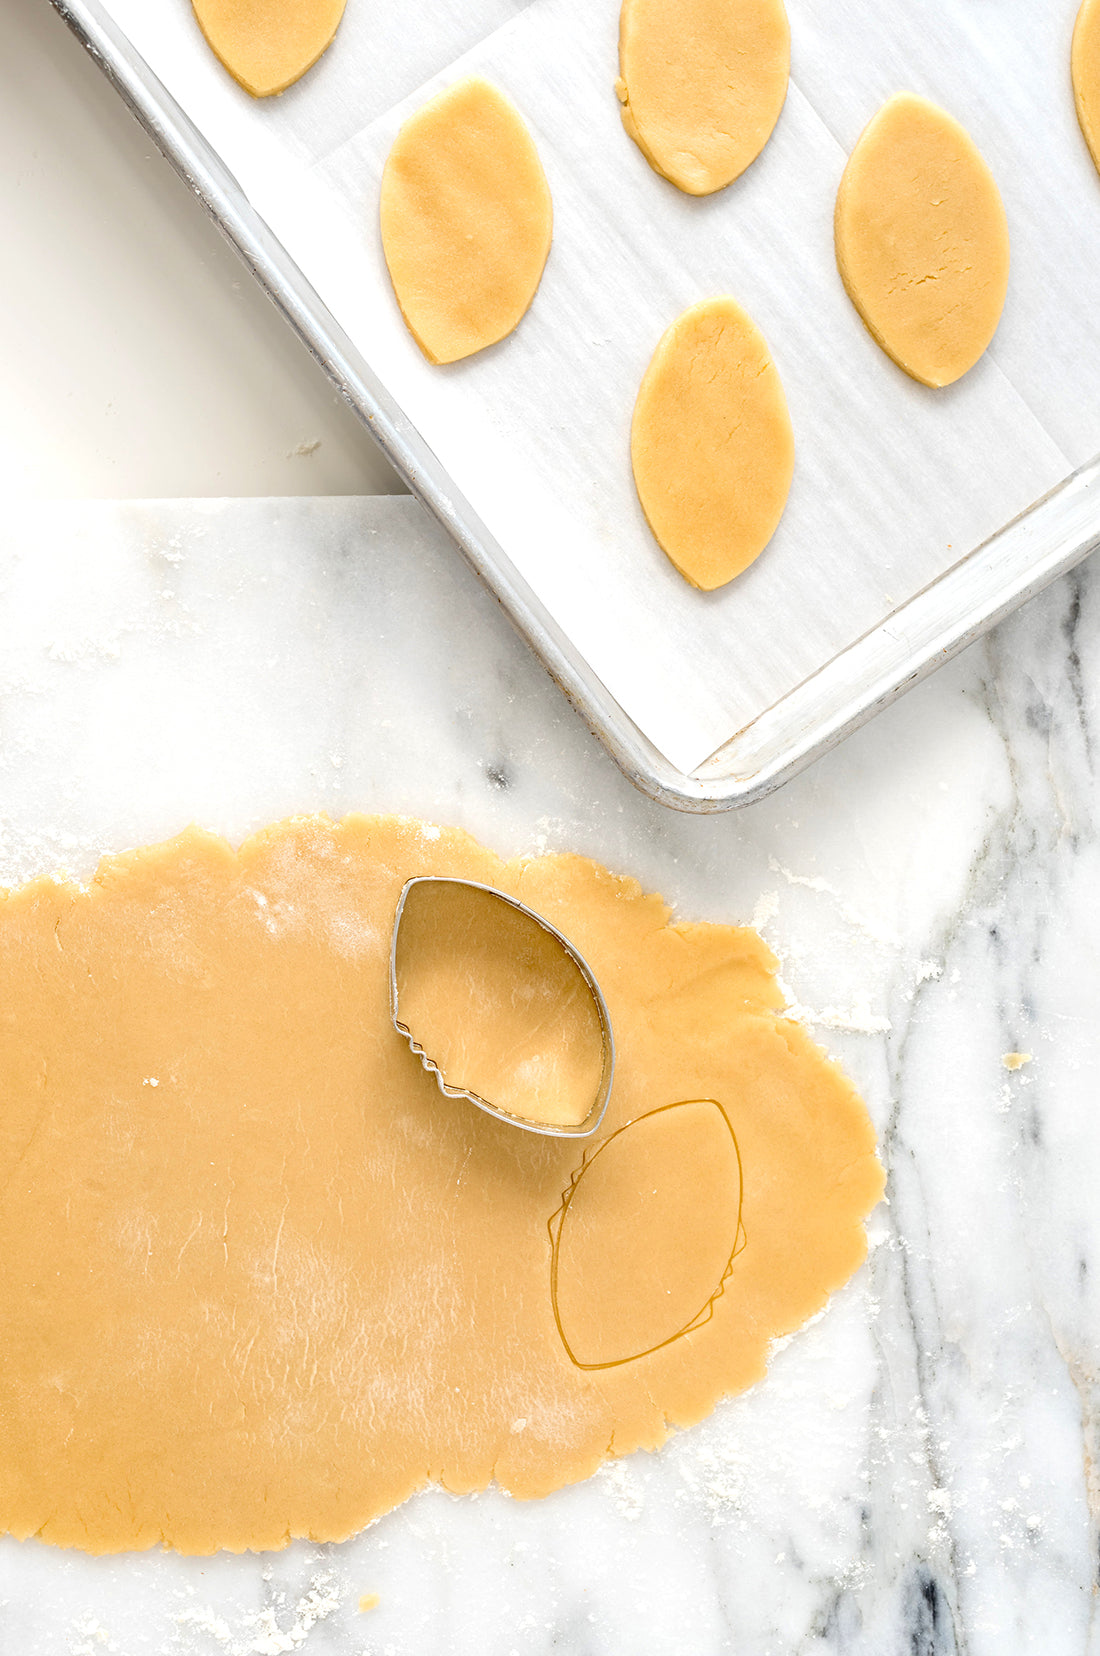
702, 83
922, 240
466, 220
497, 1005
268, 44
261, 1280
711, 443
1086, 74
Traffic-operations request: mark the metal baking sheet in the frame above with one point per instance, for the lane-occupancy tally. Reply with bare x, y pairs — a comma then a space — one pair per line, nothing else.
894, 551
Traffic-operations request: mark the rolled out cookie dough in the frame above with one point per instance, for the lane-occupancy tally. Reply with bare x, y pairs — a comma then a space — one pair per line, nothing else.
268, 44
711, 443
466, 220
922, 240
260, 1279
702, 84
1085, 65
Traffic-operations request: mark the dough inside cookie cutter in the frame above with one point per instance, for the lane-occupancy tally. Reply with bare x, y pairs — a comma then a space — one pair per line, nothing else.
500, 1007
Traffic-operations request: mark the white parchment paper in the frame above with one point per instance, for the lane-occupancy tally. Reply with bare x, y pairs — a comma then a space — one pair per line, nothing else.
894, 483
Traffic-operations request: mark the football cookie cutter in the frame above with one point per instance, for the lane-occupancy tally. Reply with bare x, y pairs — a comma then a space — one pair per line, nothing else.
534, 968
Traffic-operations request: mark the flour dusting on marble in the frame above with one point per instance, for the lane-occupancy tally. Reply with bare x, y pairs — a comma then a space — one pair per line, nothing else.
277, 1629
847, 912
621, 1481
92, 1638
765, 910
857, 1019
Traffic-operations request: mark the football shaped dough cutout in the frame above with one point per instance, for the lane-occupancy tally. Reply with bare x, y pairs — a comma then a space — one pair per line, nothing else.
1086, 74
922, 240
702, 83
466, 220
268, 44
711, 443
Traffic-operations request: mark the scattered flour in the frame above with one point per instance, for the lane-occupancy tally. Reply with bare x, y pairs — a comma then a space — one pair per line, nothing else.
258, 1632
859, 922
204, 1620
621, 1482
767, 907
26, 856
92, 1638
85, 650
857, 1019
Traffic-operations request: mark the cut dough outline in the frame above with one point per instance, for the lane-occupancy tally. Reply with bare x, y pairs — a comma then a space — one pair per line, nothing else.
556, 1222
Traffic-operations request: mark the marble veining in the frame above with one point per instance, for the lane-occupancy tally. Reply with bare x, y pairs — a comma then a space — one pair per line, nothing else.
918, 1474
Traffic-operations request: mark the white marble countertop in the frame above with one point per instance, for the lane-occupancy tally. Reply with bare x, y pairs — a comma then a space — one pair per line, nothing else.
917, 1475
139, 356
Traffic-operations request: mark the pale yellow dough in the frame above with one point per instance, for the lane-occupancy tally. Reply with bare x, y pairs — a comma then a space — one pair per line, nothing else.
466, 220
1086, 74
268, 44
711, 443
922, 240
260, 1279
702, 83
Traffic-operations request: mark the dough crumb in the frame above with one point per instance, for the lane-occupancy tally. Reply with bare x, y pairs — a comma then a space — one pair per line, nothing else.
369, 1601
1016, 1060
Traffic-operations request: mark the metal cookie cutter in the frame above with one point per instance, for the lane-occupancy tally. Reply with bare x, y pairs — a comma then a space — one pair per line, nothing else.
418, 892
